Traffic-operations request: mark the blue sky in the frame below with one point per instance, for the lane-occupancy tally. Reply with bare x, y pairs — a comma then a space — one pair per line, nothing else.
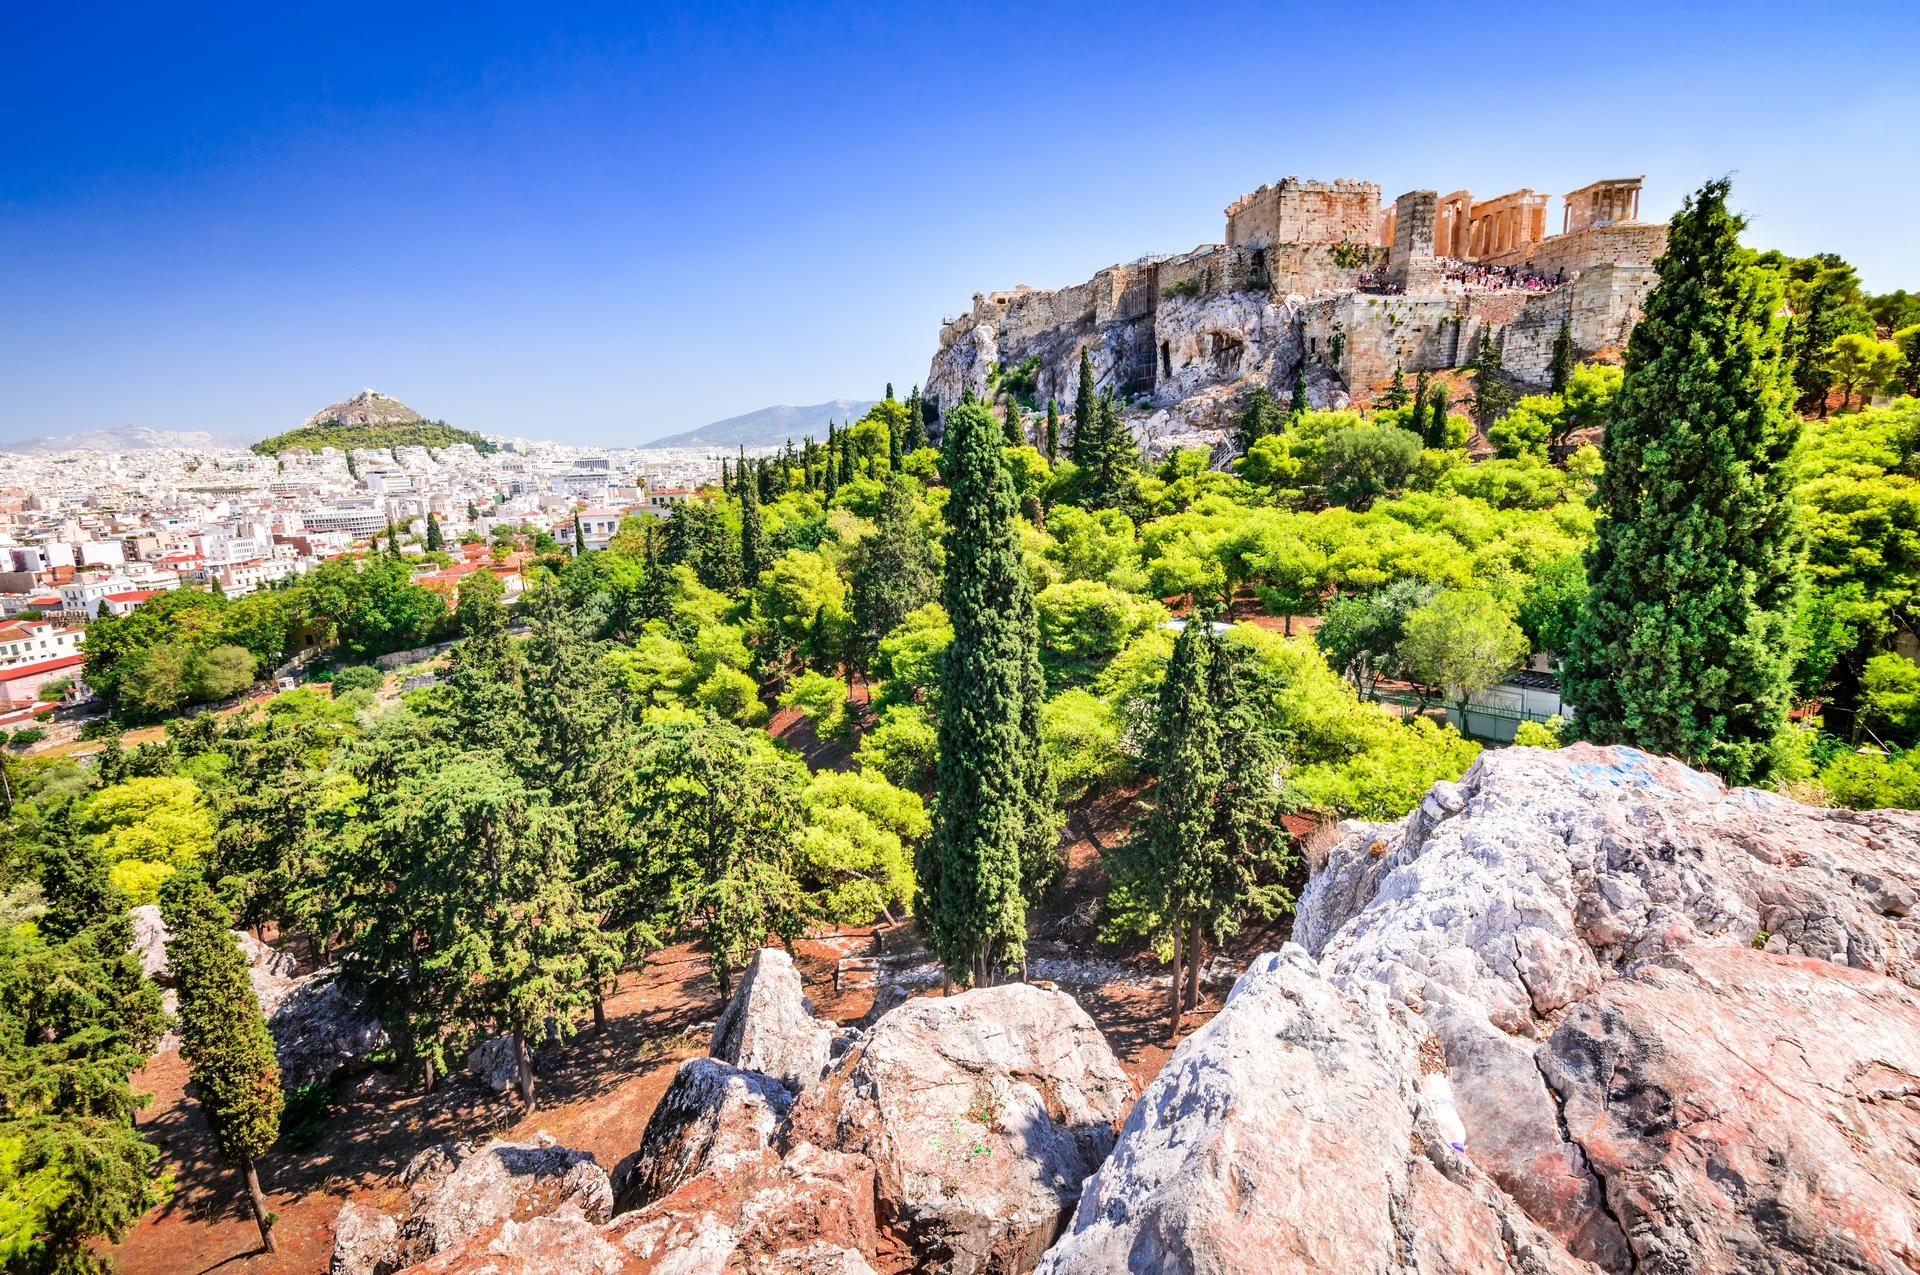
606, 223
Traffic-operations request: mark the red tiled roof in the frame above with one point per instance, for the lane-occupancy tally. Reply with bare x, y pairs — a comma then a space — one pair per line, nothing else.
19, 671
134, 595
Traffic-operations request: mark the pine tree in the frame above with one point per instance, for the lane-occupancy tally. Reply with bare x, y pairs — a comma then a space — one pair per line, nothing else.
1396, 395
970, 871
1053, 431
1683, 646
228, 1051
1299, 404
78, 891
753, 537
1086, 409
1561, 368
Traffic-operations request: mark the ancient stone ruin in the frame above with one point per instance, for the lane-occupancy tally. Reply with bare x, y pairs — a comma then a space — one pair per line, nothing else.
1321, 276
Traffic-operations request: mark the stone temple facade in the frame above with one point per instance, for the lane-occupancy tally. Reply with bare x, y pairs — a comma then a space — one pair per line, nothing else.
1321, 275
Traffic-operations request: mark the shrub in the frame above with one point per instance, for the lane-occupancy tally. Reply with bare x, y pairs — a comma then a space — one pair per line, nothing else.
358, 677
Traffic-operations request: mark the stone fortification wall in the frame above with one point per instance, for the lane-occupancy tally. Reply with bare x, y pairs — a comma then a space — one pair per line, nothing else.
1292, 211
1633, 244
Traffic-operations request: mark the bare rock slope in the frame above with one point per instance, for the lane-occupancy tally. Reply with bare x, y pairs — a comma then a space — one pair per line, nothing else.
1586, 1009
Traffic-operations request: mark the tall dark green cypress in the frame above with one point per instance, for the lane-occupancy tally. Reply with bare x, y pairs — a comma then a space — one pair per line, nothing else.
1434, 432
229, 1053
1683, 646
1396, 395
832, 466
1010, 424
1417, 422
1491, 394
1299, 403
893, 445
1561, 368
579, 536
970, 898
1053, 430
1086, 408
916, 423
753, 536
434, 538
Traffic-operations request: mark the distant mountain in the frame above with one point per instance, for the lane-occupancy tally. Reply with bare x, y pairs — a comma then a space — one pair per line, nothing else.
369, 419
769, 426
126, 438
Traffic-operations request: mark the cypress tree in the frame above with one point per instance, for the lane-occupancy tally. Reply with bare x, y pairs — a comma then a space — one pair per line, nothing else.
434, 538
79, 893
889, 397
893, 446
726, 478
579, 536
916, 423
1417, 423
1110, 458
1016, 434
224, 1040
1085, 410
1299, 403
753, 537
832, 467
393, 539
1562, 365
1491, 395
970, 871
1436, 426
1053, 431
847, 470
1259, 418
1683, 646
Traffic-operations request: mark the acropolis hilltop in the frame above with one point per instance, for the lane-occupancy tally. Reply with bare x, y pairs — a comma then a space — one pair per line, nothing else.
1326, 276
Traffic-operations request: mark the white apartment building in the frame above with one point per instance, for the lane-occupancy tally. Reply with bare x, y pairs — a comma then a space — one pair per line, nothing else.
32, 640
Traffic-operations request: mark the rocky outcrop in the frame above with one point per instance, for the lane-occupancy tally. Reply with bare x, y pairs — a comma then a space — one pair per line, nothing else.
712, 1117
982, 1113
1586, 1009
318, 1028
365, 1241
1748, 1111
1292, 1133
496, 1063
769, 1025
456, 1192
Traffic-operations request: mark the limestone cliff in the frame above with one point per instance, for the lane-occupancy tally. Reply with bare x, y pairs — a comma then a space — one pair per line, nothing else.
1316, 276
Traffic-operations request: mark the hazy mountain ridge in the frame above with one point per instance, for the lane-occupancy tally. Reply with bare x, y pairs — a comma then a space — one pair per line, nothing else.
126, 438
768, 426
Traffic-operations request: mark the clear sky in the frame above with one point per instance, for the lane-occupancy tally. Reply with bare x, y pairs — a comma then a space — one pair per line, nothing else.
605, 223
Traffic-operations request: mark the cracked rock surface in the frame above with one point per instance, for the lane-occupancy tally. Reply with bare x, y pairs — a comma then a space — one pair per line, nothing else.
1677, 1025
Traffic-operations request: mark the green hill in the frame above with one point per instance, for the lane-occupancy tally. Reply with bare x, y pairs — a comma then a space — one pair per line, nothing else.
369, 419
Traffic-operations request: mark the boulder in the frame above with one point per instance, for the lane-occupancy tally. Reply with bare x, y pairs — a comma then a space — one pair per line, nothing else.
499, 1182
812, 1211
711, 1117
982, 1114
319, 1030
1660, 1024
769, 1025
365, 1241
496, 1063
1750, 1111
567, 1242
1290, 1133
150, 937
